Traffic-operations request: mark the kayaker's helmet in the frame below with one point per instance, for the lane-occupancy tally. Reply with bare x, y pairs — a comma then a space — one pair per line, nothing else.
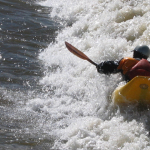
142, 52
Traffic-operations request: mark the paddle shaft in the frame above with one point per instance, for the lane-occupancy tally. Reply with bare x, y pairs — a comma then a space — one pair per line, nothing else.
78, 53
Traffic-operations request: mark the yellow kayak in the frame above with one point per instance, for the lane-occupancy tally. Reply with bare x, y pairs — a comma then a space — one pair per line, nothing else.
135, 91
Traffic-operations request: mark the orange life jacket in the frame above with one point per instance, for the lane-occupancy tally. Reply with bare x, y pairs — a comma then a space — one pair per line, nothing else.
126, 64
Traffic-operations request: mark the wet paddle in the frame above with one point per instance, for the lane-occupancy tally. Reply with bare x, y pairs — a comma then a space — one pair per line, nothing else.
78, 53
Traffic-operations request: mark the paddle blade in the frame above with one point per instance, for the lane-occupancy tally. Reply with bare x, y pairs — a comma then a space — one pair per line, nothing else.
75, 51
78, 53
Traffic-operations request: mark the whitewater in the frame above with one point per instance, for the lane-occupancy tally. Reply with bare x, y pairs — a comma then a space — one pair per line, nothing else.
76, 109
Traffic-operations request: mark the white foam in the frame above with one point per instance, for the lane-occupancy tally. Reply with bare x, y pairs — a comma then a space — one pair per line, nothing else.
82, 115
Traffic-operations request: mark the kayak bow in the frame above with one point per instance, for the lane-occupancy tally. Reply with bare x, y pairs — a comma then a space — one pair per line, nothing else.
135, 91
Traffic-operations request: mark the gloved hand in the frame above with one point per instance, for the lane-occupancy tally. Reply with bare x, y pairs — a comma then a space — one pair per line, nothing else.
99, 67
106, 67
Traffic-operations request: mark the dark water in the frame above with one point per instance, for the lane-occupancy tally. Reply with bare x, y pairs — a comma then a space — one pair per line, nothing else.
25, 30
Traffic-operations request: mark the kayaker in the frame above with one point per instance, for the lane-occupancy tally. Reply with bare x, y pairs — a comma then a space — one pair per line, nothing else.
129, 67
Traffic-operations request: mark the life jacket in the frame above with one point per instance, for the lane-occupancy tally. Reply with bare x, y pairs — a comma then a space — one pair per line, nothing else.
142, 68
126, 64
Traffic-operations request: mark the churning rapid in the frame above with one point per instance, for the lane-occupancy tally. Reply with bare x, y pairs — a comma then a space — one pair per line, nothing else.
80, 106
73, 109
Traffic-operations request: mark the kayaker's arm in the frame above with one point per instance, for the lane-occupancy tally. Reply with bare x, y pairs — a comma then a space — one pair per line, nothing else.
108, 67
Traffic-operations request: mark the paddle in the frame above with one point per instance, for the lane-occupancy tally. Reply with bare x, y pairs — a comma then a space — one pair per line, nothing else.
78, 53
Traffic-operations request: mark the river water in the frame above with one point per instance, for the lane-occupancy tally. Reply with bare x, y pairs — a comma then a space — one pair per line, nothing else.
51, 99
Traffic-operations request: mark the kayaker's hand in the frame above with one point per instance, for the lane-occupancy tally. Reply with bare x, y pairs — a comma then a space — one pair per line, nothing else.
99, 69
105, 67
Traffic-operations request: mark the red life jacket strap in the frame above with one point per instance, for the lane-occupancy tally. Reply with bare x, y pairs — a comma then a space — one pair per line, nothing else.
142, 68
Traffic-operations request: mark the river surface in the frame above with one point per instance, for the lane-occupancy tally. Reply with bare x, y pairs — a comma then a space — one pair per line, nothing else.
25, 30
51, 99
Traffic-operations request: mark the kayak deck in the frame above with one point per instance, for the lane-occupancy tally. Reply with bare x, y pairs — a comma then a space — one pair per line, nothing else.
135, 91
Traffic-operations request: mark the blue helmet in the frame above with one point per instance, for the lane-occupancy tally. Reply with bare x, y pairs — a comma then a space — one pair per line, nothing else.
144, 50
